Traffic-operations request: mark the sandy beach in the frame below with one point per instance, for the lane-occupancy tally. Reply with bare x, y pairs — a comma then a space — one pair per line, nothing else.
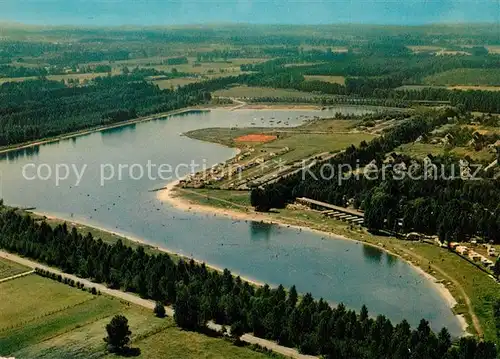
168, 195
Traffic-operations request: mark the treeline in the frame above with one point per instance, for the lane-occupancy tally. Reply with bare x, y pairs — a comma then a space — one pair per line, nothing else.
329, 101
21, 71
65, 280
75, 57
200, 295
41, 108
181, 60
431, 197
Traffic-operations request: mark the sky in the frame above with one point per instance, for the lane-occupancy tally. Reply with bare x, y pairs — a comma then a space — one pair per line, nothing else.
177, 12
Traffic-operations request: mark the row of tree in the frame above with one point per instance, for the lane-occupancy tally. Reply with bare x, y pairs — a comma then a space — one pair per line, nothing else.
199, 295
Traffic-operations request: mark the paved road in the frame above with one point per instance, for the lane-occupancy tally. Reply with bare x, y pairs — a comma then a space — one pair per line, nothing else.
248, 338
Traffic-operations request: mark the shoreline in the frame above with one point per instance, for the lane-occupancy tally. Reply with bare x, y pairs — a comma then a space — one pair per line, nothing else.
143, 242
88, 131
168, 195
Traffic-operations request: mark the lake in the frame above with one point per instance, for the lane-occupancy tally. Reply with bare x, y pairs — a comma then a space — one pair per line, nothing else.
337, 270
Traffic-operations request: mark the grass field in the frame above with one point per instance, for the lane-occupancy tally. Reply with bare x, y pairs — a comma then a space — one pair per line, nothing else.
478, 88
249, 92
331, 79
493, 49
207, 69
424, 48
454, 272
416, 87
9, 268
305, 144
65, 322
174, 83
226, 136
465, 77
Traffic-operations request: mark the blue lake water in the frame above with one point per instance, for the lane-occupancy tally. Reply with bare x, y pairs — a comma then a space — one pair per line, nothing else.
337, 270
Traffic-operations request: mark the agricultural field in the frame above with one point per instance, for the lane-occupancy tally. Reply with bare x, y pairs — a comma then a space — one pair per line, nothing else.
416, 87
424, 48
465, 77
330, 79
64, 322
478, 88
207, 70
9, 268
230, 67
174, 83
337, 49
493, 49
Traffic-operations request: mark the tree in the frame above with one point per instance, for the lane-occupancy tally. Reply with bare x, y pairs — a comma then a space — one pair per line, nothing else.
118, 334
159, 310
187, 313
496, 268
363, 314
237, 330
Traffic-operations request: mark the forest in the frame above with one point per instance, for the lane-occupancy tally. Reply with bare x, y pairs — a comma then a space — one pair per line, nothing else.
377, 76
42, 108
447, 204
377, 62
199, 294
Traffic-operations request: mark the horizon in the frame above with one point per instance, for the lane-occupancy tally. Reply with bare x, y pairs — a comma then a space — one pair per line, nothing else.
153, 13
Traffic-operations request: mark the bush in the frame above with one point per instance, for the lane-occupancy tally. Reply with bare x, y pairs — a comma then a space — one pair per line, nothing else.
159, 310
118, 334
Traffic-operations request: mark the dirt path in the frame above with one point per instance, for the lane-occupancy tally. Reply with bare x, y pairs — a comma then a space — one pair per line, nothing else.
16, 276
248, 338
239, 102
